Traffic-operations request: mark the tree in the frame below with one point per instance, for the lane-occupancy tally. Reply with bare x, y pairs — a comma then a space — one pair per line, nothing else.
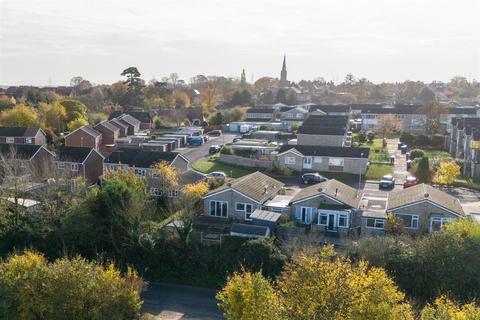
321, 285
33, 288
209, 96
445, 309
394, 225
80, 85
265, 83
19, 116
6, 103
119, 92
77, 123
422, 170
362, 137
74, 109
387, 124
166, 177
174, 79
427, 95
370, 136
433, 111
134, 84
446, 173
243, 80
54, 116
249, 296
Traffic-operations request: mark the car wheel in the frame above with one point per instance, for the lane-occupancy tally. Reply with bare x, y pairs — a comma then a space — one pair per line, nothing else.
305, 182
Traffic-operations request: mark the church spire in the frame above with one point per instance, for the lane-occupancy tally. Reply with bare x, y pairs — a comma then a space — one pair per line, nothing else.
283, 73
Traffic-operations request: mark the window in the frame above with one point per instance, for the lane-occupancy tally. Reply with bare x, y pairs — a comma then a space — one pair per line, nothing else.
173, 194
218, 208
317, 159
28, 140
299, 115
338, 162
290, 160
343, 220
113, 167
23, 164
61, 165
375, 223
305, 215
10, 140
140, 172
247, 208
74, 167
409, 221
437, 223
323, 219
155, 192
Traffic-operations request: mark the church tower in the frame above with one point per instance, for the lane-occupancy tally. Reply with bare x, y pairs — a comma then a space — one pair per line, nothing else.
283, 74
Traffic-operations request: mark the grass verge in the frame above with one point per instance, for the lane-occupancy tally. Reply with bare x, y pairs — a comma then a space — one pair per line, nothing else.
377, 171
210, 165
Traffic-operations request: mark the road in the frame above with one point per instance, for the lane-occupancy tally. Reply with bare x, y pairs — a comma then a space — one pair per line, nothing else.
175, 302
196, 153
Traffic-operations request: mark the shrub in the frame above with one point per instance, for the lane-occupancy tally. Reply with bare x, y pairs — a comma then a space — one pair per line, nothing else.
226, 150
422, 170
417, 153
406, 138
421, 140
370, 136
362, 137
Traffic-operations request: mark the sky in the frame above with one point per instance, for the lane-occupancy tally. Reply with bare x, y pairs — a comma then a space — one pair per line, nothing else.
46, 42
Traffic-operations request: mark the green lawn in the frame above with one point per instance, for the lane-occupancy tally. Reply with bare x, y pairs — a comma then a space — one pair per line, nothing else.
380, 156
377, 171
437, 155
207, 166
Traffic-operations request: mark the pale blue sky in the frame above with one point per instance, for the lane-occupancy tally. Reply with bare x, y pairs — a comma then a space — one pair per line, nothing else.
378, 39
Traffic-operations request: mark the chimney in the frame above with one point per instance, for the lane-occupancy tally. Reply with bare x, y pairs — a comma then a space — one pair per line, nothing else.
336, 191
265, 189
426, 195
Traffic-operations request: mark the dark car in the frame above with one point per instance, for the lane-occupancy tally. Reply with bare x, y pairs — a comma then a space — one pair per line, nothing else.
387, 181
410, 181
215, 133
214, 149
308, 178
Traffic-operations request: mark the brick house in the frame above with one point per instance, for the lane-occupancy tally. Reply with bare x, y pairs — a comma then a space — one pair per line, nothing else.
122, 127
72, 162
85, 136
23, 135
144, 117
109, 132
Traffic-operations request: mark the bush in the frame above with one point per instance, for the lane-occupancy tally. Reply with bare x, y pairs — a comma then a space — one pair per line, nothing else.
226, 150
370, 136
416, 153
406, 138
362, 137
422, 170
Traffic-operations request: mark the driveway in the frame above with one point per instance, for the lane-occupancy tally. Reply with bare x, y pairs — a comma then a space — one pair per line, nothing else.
400, 171
175, 302
196, 153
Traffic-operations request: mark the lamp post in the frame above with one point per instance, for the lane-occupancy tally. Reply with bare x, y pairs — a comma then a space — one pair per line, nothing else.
360, 175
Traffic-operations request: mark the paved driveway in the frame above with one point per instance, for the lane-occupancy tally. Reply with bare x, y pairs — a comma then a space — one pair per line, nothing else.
175, 302
196, 153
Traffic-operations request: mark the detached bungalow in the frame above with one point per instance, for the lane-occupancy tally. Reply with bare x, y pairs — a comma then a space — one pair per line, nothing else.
324, 158
422, 209
239, 198
330, 207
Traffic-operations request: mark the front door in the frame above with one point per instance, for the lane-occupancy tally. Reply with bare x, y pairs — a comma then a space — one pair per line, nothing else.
331, 221
307, 163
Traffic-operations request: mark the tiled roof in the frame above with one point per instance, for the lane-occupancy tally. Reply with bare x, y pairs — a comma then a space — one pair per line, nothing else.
119, 124
73, 154
399, 198
140, 158
107, 125
19, 131
329, 151
260, 110
88, 129
142, 116
265, 215
18, 151
331, 108
334, 189
257, 186
319, 130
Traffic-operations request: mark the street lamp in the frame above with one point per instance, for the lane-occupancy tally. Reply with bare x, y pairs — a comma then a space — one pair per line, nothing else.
360, 175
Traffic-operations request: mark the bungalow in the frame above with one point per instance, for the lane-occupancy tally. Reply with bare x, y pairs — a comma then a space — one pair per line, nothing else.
237, 199
324, 158
293, 116
23, 135
72, 162
330, 207
331, 110
84, 136
422, 208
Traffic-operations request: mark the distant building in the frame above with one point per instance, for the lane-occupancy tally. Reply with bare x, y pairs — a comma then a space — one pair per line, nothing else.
283, 74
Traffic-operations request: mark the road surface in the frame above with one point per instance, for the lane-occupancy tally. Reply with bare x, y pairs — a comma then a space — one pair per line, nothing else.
175, 302
196, 153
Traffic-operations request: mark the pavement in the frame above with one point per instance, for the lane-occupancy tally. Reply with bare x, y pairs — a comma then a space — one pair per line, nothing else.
175, 302
199, 152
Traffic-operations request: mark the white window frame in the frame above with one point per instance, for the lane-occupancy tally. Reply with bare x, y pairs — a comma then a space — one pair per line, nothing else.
74, 167
10, 140
155, 192
336, 162
375, 221
415, 218
290, 160
442, 220
320, 215
220, 215
140, 172
60, 165
317, 159
245, 210
347, 222
23, 163
173, 194
28, 140
308, 213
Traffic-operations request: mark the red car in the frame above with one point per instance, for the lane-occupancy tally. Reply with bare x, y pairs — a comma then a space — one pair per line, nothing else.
410, 182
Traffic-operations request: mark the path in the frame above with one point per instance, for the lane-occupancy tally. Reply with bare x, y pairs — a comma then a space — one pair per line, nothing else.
400, 171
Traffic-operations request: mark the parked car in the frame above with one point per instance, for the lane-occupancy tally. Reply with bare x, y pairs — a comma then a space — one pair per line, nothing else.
308, 178
215, 133
217, 175
387, 181
214, 149
195, 140
410, 181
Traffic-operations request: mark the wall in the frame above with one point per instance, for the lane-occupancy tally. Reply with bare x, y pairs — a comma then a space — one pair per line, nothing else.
231, 198
244, 162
